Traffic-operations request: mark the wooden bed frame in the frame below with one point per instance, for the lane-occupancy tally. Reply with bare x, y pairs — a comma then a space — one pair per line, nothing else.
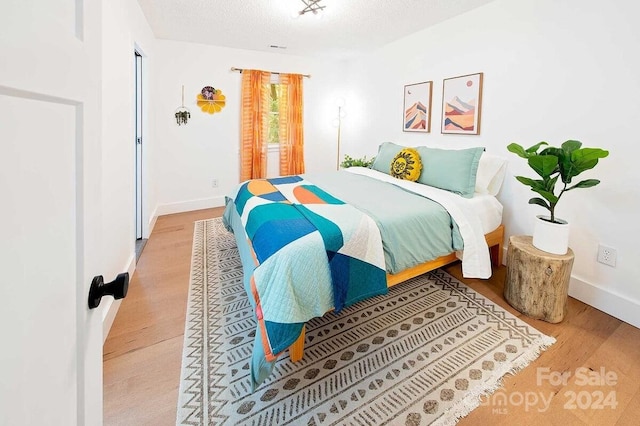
494, 240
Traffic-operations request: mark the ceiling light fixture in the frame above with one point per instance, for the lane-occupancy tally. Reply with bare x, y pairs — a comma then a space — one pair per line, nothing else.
311, 6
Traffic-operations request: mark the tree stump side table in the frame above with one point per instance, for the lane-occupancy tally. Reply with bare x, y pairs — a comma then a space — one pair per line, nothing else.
537, 282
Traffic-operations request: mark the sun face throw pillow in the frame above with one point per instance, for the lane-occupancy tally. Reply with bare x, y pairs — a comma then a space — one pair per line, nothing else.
406, 165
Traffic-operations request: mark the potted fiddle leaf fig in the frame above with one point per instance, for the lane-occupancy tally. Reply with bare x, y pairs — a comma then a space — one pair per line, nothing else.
555, 166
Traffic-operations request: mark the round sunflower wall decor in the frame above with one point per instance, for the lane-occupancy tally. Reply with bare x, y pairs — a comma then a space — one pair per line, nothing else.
406, 165
211, 100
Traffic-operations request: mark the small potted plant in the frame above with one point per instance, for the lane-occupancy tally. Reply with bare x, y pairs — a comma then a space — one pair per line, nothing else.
555, 165
356, 162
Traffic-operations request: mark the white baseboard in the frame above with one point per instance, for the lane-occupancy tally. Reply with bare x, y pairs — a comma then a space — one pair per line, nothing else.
152, 222
112, 305
616, 305
186, 206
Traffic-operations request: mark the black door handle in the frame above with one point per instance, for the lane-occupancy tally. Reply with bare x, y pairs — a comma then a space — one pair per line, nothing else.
116, 288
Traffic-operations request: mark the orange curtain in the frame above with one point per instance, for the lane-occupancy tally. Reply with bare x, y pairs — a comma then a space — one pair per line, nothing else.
255, 110
291, 125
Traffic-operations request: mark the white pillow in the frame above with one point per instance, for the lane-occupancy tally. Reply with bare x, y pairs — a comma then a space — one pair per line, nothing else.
491, 172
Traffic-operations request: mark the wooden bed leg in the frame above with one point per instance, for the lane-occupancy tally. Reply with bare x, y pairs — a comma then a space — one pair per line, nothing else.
296, 351
495, 239
496, 254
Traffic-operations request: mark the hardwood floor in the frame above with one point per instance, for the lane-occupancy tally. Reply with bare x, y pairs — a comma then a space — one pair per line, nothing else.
143, 351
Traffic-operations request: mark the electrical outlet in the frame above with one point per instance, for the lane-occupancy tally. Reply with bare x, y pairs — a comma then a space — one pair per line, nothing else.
607, 255
214, 183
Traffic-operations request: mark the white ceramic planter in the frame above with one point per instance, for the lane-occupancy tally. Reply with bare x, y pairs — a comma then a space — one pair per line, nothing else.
551, 237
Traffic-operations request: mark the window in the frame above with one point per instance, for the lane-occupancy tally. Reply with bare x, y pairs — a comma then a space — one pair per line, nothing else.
275, 94
272, 122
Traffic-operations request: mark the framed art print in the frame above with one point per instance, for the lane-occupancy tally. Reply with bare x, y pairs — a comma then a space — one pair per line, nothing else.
417, 107
462, 104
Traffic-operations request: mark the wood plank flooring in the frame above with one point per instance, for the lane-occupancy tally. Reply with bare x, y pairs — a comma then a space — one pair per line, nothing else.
142, 353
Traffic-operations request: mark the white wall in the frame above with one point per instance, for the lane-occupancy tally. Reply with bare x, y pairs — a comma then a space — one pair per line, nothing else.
124, 29
190, 156
552, 71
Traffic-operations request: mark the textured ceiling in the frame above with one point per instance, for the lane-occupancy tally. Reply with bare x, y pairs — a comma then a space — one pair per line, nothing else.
346, 26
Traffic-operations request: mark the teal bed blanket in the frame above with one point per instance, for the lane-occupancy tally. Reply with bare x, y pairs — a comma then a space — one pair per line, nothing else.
414, 229
323, 241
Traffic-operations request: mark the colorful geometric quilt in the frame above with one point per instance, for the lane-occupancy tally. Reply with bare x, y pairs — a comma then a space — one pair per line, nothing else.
313, 253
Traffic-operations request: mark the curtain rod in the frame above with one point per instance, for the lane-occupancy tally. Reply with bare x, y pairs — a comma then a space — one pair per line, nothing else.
272, 72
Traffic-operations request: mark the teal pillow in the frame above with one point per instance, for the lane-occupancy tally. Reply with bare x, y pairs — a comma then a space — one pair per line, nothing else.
387, 151
451, 169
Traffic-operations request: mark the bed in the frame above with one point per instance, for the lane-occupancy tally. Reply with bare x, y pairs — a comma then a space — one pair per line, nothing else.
318, 242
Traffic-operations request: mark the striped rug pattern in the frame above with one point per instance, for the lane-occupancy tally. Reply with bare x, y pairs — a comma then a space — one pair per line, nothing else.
423, 354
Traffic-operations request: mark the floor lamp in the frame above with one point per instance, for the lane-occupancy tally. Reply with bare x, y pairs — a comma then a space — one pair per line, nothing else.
341, 114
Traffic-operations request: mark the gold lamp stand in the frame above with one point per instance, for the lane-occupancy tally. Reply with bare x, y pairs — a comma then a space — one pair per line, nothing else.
341, 114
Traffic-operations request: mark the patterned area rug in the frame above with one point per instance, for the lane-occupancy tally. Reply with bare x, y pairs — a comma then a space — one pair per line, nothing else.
422, 354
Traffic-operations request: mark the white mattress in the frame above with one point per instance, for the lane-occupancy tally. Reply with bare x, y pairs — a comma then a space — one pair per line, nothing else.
489, 211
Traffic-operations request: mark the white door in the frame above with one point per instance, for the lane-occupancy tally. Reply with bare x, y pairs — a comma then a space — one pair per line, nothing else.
50, 224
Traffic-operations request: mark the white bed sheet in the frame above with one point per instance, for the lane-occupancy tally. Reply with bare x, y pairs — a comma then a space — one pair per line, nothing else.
489, 211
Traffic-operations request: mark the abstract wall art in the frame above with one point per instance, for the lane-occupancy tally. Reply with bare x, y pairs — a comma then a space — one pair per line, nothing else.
461, 104
417, 107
